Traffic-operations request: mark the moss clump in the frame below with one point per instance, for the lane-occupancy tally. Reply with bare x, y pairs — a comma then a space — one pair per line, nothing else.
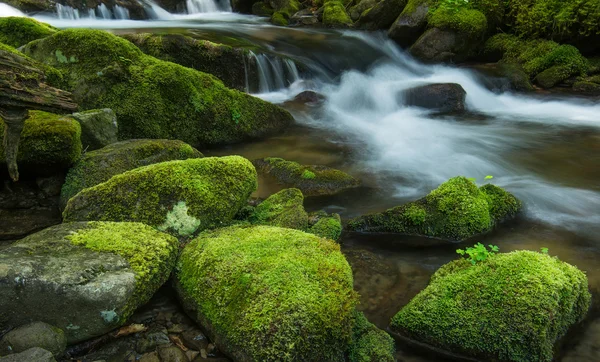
311, 180
456, 210
269, 294
154, 98
283, 209
329, 227
553, 76
335, 14
99, 166
18, 31
469, 22
369, 343
213, 190
151, 255
49, 143
279, 19
510, 307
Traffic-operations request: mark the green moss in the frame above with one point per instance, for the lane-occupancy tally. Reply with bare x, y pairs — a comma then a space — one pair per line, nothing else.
279, 19
585, 87
512, 306
154, 98
283, 209
329, 227
469, 22
456, 210
18, 31
312, 180
150, 254
269, 293
213, 190
369, 343
335, 14
49, 143
99, 166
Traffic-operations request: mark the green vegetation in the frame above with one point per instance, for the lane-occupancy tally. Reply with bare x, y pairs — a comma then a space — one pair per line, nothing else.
99, 166
213, 190
18, 31
283, 209
335, 14
270, 294
329, 227
478, 252
151, 254
469, 22
369, 343
512, 306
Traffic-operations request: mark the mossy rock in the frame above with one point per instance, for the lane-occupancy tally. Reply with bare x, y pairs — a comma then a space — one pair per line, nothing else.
312, 180
154, 98
181, 197
381, 15
50, 143
284, 209
369, 343
586, 87
328, 226
280, 19
18, 31
553, 76
510, 307
265, 293
456, 210
466, 22
98, 128
335, 15
99, 166
84, 278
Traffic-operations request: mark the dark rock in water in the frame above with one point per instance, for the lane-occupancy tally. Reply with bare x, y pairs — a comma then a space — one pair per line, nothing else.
455, 211
409, 26
172, 354
261, 8
312, 180
441, 97
84, 278
588, 88
99, 166
36, 334
356, 10
309, 97
31, 355
382, 15
98, 128
306, 17
553, 76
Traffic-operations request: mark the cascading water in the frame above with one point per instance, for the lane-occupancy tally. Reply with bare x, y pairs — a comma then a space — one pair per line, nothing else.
65, 12
207, 6
7, 10
274, 73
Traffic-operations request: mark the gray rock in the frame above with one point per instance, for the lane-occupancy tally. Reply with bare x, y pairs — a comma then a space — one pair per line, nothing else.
151, 340
194, 339
435, 45
98, 128
31, 355
359, 8
382, 15
442, 97
409, 26
172, 354
36, 334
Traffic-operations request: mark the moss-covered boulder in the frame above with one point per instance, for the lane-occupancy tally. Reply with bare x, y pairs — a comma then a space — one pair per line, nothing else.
265, 293
98, 128
284, 209
510, 307
154, 98
335, 15
382, 15
326, 226
456, 210
222, 61
410, 24
84, 278
312, 180
369, 343
18, 31
49, 143
99, 166
181, 197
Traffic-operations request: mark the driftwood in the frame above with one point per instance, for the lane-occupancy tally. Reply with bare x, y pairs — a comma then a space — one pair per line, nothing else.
23, 88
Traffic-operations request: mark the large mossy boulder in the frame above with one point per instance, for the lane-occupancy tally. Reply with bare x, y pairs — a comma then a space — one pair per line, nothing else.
154, 98
283, 209
456, 210
18, 31
382, 15
335, 15
99, 166
265, 293
224, 62
49, 143
312, 180
176, 196
84, 278
410, 24
510, 307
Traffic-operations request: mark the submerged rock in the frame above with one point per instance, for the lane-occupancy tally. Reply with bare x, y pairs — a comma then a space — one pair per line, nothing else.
36, 334
441, 97
99, 166
456, 210
241, 282
182, 197
153, 98
98, 128
18, 31
84, 278
31, 355
510, 307
284, 209
312, 180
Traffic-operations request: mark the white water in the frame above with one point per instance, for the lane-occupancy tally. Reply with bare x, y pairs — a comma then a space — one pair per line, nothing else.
275, 74
7, 10
207, 6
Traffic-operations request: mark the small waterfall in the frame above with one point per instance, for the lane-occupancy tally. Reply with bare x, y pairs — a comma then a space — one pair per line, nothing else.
207, 6
7, 10
274, 73
66, 12
154, 11
103, 12
121, 13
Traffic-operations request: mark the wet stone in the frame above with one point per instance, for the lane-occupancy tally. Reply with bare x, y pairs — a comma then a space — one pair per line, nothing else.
172, 354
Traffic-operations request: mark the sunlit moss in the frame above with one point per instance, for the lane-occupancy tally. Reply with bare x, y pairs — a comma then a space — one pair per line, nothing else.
18, 31
283, 209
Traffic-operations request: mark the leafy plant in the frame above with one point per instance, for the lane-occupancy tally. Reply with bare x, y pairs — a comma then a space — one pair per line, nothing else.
454, 5
544, 250
478, 252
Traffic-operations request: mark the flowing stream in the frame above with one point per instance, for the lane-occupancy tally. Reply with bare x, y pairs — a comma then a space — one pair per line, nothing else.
544, 148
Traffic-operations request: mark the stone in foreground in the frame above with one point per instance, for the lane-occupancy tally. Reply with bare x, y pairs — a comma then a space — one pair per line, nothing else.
440, 97
31, 355
36, 334
510, 307
265, 292
84, 278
